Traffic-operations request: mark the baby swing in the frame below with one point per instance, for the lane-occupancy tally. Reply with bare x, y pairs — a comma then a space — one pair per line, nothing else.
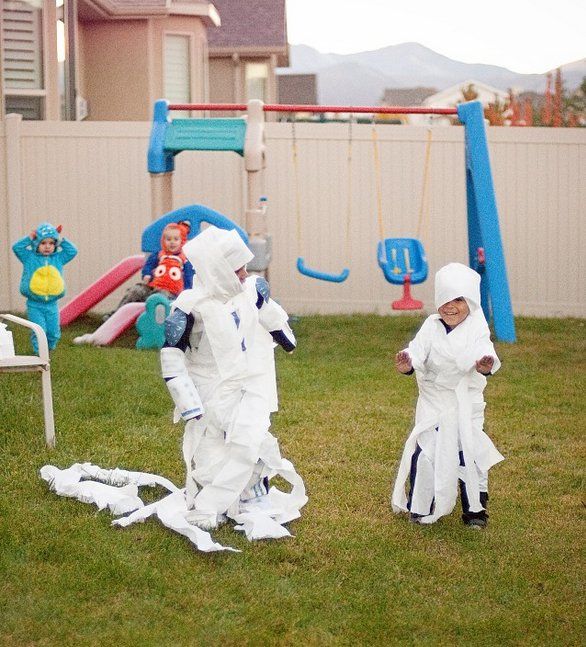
301, 267
402, 260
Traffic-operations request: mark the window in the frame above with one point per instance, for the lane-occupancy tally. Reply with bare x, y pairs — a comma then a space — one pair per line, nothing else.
177, 69
256, 77
22, 57
28, 107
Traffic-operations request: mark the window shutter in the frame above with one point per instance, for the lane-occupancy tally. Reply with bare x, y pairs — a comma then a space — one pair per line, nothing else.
22, 43
177, 69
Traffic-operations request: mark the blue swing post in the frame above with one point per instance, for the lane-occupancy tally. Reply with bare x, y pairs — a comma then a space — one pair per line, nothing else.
483, 224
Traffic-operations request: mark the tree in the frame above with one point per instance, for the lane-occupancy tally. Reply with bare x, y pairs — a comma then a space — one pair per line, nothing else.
546, 112
515, 110
557, 118
528, 112
575, 106
469, 93
495, 112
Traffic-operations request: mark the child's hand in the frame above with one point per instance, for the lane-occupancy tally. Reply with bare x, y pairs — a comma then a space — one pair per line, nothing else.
146, 278
403, 362
484, 364
33, 234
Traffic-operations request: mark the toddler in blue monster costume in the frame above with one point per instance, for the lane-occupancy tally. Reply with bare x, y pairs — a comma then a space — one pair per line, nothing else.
43, 254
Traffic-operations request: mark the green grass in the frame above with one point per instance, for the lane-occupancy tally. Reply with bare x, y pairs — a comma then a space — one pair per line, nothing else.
354, 574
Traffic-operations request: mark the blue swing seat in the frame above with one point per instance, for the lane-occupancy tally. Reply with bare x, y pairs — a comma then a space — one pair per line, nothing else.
398, 257
322, 276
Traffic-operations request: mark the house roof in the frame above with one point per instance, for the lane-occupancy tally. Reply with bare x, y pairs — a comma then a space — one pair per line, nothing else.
297, 88
453, 94
128, 9
250, 24
406, 96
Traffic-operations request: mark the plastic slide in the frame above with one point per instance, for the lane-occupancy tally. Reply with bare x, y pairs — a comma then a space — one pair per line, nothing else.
113, 327
100, 289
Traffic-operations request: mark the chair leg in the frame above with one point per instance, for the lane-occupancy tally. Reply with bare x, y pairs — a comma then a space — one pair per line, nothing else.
48, 407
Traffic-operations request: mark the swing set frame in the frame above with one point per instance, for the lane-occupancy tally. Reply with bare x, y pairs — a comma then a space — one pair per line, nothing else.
485, 248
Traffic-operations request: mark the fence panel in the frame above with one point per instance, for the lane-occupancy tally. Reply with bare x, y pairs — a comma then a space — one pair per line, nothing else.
92, 178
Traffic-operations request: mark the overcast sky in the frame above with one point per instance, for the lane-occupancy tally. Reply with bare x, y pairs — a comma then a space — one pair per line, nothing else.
528, 36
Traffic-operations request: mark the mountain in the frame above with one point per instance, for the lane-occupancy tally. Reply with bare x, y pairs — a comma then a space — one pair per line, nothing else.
361, 78
337, 84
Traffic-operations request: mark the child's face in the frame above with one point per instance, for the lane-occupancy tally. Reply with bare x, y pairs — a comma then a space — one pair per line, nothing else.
454, 312
242, 274
46, 247
172, 240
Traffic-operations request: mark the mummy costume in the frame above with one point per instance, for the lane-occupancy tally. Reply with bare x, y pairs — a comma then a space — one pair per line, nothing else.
448, 445
218, 363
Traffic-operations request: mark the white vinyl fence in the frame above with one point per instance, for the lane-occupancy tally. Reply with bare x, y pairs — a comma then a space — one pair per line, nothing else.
92, 178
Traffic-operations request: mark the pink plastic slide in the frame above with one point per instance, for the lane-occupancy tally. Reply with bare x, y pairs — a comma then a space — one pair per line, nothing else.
100, 289
114, 326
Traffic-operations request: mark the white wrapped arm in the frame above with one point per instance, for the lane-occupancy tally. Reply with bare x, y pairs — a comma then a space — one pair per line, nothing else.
180, 385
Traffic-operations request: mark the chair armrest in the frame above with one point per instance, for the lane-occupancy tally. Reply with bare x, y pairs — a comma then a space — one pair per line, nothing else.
39, 332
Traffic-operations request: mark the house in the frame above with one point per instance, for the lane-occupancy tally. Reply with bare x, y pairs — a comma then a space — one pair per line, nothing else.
406, 96
402, 97
245, 50
134, 52
121, 55
297, 89
465, 91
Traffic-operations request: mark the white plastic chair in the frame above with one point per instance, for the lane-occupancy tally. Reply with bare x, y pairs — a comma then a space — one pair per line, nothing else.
41, 363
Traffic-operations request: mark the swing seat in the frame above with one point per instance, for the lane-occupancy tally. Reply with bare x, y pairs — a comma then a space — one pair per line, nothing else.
400, 257
322, 276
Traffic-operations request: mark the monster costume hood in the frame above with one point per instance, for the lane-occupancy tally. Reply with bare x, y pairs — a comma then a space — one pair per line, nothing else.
42, 276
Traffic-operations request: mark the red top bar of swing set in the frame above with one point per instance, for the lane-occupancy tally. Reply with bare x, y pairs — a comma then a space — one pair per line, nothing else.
279, 107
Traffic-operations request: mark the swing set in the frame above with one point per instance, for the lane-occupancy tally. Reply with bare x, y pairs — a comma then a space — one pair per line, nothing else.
402, 260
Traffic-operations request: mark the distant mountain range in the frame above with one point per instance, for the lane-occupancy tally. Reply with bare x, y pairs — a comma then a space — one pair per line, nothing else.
363, 77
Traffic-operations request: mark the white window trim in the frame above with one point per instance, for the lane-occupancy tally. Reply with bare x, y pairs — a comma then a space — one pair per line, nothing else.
23, 92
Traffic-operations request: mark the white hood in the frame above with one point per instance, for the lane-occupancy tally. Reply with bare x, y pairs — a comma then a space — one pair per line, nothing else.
215, 255
456, 280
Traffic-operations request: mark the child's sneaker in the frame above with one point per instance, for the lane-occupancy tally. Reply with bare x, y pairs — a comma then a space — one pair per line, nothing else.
203, 520
83, 339
479, 523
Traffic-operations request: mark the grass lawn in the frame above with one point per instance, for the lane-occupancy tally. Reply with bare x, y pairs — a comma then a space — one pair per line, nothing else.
354, 574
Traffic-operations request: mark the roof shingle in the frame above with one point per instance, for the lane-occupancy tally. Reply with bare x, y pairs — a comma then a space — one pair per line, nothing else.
250, 23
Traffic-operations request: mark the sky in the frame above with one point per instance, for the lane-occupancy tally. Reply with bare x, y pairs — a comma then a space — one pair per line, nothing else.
526, 36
